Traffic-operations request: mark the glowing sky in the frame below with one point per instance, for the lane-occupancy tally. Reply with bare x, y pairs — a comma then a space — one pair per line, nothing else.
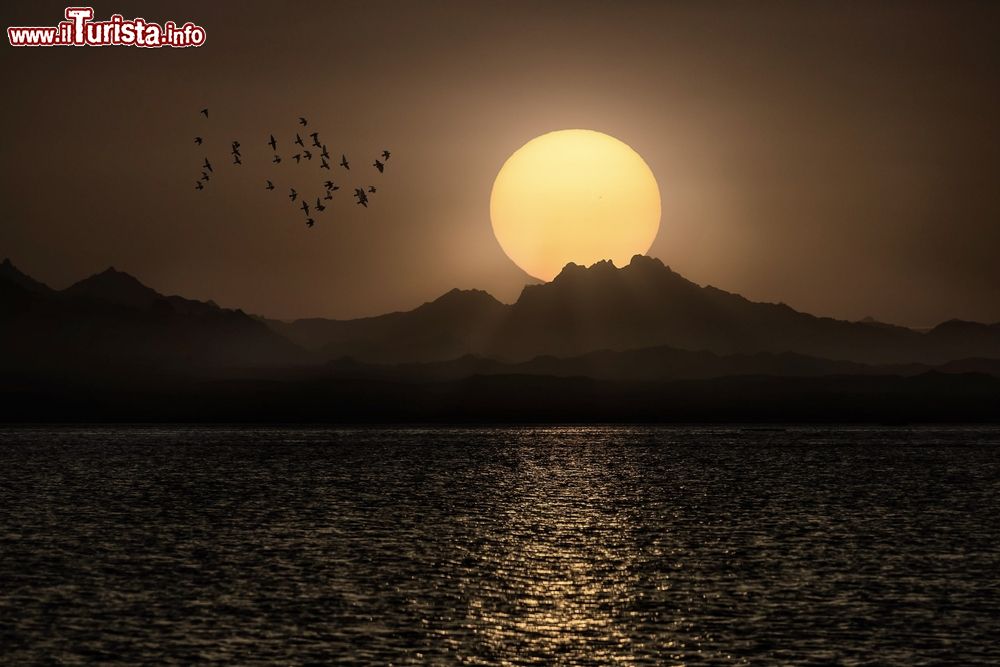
839, 157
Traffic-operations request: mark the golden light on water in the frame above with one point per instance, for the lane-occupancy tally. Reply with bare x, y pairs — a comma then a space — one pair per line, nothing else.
574, 196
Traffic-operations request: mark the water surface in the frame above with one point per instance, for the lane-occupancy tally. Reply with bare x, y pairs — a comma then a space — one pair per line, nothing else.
559, 545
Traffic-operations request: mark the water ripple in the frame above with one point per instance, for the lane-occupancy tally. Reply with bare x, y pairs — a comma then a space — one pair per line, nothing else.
561, 545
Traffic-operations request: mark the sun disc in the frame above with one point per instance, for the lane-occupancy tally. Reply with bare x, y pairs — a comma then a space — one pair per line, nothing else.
574, 196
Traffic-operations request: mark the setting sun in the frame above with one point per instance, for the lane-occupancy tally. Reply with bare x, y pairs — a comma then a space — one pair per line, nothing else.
574, 196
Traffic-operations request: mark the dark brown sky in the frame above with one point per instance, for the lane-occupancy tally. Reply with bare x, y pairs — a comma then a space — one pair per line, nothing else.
842, 157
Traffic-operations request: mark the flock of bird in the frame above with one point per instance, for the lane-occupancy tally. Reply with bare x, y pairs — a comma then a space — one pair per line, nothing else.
303, 152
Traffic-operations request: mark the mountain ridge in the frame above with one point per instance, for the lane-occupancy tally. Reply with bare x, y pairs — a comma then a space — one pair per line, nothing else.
111, 322
643, 304
583, 310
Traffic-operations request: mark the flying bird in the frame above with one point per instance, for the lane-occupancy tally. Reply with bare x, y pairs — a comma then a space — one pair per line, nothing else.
198, 185
362, 197
330, 185
273, 144
205, 111
236, 158
302, 121
371, 189
378, 165
315, 138
293, 194
208, 165
298, 158
343, 161
324, 165
198, 140
236, 145
310, 222
204, 176
319, 205
277, 159
324, 153
307, 155
305, 207
385, 155
329, 195
270, 186
298, 140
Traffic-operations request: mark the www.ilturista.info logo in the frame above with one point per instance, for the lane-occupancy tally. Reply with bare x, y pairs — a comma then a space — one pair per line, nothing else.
79, 30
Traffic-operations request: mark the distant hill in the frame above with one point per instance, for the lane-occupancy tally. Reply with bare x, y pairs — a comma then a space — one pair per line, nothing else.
110, 323
641, 305
458, 323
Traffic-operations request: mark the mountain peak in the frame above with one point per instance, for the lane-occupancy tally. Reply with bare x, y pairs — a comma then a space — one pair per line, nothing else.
463, 298
116, 287
573, 269
12, 274
646, 261
606, 266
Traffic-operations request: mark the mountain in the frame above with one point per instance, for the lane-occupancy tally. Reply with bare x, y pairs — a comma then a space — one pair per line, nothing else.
112, 324
642, 305
11, 275
458, 323
116, 287
595, 344
640, 322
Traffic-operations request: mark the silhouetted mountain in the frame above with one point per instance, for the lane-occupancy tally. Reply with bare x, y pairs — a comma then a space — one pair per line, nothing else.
578, 349
458, 323
10, 274
116, 287
641, 305
111, 323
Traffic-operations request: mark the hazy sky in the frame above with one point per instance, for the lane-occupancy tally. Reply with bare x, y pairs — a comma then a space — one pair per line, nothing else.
842, 157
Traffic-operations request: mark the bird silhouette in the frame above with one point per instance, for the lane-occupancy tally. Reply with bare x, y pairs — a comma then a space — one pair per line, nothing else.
378, 165
330, 185
236, 145
205, 111
385, 155
362, 197
270, 186
198, 140
298, 158
298, 140
208, 165
315, 138
324, 153
324, 164
307, 155
310, 222
329, 195
204, 176
343, 162
236, 158
293, 194
273, 144
277, 159
198, 185
371, 189
319, 205
305, 207
302, 121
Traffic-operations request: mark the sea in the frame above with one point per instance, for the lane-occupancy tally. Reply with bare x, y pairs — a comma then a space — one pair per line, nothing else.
555, 545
